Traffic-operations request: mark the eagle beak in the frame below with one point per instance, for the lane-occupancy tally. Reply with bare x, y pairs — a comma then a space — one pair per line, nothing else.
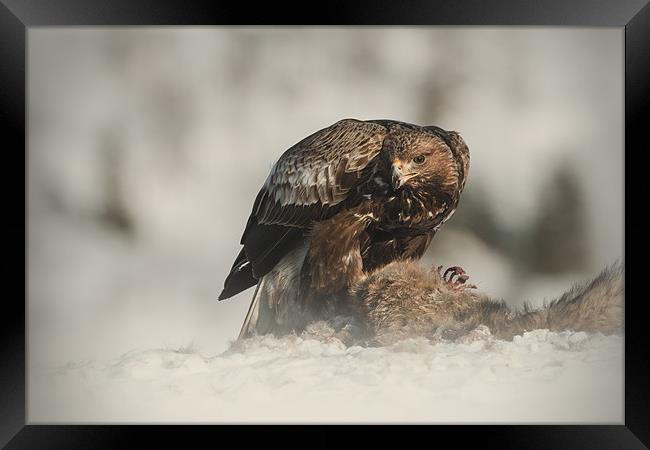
397, 177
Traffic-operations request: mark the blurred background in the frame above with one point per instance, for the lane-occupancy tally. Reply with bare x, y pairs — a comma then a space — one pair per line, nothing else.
147, 147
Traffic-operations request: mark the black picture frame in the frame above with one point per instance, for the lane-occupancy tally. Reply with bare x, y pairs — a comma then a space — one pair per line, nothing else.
16, 16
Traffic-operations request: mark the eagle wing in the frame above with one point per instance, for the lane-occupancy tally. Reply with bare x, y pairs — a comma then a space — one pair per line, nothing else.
308, 182
317, 173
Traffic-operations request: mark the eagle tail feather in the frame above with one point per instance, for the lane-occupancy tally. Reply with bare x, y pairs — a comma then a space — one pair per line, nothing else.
250, 322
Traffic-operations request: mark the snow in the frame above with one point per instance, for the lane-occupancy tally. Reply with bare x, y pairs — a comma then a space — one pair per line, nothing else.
540, 377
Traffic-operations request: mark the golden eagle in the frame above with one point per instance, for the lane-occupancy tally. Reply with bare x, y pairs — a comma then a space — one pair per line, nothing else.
344, 201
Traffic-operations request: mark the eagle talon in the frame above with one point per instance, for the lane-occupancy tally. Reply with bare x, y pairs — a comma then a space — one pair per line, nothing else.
456, 278
453, 271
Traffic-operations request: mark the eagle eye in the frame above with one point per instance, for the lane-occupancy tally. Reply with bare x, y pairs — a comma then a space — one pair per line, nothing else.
419, 159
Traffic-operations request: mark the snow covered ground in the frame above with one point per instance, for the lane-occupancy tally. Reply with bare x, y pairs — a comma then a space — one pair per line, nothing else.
541, 377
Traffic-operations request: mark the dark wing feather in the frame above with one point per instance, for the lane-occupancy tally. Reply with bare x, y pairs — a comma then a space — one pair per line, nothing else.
318, 171
309, 182
267, 244
239, 278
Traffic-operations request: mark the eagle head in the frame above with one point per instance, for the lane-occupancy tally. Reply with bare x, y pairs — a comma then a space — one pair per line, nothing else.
425, 158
